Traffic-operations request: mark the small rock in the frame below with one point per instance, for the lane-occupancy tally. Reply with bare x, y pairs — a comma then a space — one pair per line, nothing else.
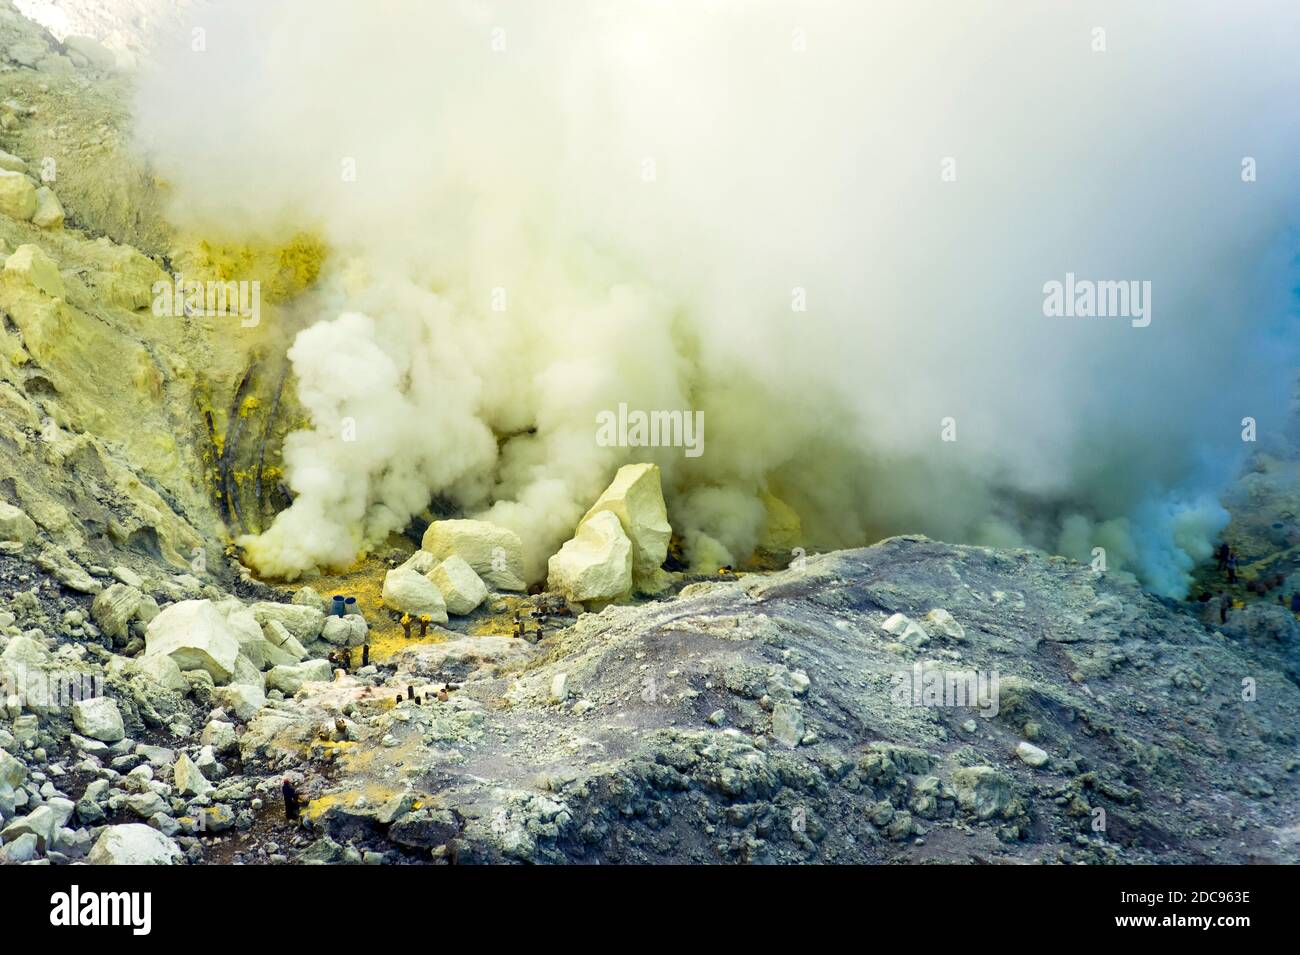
98, 718
346, 631
49, 211
220, 736
189, 779
1031, 755
787, 724
941, 621
559, 688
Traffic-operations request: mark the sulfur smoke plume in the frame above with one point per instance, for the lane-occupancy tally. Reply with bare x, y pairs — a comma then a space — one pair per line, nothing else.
560, 207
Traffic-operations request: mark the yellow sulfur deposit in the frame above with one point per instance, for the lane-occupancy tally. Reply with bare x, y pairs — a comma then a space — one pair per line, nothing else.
283, 271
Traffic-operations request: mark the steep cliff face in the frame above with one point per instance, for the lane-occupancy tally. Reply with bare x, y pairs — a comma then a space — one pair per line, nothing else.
129, 425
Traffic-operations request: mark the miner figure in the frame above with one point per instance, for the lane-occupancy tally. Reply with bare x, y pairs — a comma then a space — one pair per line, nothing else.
290, 799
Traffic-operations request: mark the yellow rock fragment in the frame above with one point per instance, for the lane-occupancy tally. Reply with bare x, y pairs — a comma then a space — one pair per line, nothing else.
49, 211
17, 195
36, 268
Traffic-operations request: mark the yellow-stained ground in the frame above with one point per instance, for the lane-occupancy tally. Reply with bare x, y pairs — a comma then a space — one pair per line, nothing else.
370, 764
365, 581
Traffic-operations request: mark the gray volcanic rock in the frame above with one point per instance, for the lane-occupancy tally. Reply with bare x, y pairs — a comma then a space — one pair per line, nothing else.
837, 743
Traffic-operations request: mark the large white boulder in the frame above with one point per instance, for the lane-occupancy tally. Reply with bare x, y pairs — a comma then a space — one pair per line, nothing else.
196, 636
462, 589
409, 592
133, 844
495, 553
99, 718
17, 196
636, 498
596, 565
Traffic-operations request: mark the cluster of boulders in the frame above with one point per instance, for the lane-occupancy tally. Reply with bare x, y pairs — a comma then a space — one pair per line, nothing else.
458, 561
123, 716
71, 776
27, 200
617, 550
174, 797
620, 544
82, 780
28, 45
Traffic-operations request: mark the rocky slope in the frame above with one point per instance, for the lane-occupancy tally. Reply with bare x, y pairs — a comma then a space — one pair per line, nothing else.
154, 697
750, 719
756, 720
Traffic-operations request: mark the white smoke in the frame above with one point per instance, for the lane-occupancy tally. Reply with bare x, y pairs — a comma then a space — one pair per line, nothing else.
650, 183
